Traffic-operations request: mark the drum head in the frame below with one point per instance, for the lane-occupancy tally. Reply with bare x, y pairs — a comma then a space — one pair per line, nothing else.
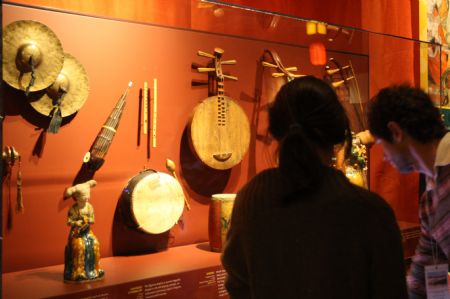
157, 202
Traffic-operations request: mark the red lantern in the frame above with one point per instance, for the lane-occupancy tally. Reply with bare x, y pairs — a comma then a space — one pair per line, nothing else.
317, 54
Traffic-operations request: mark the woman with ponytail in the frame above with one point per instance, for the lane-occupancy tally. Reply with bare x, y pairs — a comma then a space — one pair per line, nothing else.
302, 230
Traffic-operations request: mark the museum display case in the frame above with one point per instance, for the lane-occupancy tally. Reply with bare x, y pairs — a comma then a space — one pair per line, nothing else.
155, 79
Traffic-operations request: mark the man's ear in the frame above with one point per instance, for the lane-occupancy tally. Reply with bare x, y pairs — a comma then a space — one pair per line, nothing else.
396, 131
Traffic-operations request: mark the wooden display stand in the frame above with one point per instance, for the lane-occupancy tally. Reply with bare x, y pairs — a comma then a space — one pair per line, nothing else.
191, 271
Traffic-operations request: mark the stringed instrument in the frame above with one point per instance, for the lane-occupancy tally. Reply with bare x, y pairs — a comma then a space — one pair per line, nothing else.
219, 128
271, 59
280, 74
344, 81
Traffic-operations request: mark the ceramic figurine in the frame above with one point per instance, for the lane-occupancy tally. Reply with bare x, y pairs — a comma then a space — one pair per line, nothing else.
82, 252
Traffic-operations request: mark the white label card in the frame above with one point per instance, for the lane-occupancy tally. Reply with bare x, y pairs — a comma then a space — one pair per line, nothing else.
436, 280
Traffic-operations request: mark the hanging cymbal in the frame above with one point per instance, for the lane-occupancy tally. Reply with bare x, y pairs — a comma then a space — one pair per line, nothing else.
29, 41
73, 81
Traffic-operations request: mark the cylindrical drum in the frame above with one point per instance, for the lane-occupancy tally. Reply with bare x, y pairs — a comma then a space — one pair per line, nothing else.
152, 202
219, 219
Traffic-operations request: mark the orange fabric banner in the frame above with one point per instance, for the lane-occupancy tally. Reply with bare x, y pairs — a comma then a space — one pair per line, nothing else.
392, 61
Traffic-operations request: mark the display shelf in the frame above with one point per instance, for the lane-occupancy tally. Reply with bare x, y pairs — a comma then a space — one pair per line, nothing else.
190, 271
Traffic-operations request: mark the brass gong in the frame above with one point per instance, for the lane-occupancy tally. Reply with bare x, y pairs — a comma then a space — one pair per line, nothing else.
29, 45
73, 81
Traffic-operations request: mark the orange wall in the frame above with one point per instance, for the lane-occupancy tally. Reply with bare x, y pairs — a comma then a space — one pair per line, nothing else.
391, 17
114, 52
163, 12
393, 61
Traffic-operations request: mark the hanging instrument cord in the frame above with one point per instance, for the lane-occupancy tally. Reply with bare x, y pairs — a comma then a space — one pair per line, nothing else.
19, 202
33, 76
55, 122
10, 156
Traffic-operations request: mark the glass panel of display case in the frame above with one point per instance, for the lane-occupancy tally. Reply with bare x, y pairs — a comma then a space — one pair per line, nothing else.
224, 18
175, 47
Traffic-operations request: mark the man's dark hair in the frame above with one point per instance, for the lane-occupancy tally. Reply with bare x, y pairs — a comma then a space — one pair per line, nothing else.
411, 108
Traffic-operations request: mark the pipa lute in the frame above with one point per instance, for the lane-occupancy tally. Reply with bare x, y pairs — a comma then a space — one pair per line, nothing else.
219, 128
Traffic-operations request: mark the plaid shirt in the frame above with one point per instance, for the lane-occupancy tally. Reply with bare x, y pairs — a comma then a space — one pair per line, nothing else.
435, 221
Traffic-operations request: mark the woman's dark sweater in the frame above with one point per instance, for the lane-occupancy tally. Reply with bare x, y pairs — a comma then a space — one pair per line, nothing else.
340, 241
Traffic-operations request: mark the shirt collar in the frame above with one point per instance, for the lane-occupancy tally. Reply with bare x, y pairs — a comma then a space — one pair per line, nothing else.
442, 158
443, 151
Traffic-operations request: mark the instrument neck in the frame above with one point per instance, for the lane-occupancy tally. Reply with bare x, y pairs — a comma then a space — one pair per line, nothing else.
221, 108
220, 88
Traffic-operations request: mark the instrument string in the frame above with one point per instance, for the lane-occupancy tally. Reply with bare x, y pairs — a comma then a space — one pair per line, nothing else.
346, 78
355, 86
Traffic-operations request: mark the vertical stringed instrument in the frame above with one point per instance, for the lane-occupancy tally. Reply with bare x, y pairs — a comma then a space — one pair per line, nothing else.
219, 128
344, 81
271, 59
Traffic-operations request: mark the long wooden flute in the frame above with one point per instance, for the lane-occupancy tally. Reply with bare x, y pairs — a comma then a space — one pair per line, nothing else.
155, 110
147, 124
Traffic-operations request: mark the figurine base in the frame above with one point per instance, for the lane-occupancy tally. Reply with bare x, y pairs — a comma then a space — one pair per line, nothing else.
84, 280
